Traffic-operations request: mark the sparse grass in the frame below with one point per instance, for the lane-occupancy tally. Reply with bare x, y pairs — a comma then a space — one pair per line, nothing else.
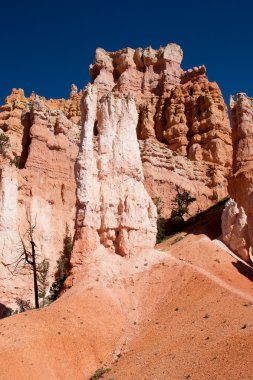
100, 372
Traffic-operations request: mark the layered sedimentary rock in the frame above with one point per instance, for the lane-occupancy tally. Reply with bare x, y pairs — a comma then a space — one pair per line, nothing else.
142, 127
181, 108
10, 118
144, 72
180, 114
197, 125
164, 170
240, 211
39, 186
70, 107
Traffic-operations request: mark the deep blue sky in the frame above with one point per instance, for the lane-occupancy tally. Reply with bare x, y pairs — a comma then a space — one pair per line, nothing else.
47, 45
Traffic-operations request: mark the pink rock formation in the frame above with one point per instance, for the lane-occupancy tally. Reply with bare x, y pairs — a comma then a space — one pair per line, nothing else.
235, 229
70, 107
44, 184
197, 124
241, 181
15, 103
164, 170
145, 72
183, 110
10, 118
181, 122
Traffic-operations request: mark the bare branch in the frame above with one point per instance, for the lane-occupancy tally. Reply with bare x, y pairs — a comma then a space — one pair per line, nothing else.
26, 256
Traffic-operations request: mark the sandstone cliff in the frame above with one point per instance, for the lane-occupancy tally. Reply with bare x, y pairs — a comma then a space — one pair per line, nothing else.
41, 184
90, 165
181, 116
238, 215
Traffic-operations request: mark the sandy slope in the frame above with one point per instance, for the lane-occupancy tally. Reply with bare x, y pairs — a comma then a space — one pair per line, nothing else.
184, 311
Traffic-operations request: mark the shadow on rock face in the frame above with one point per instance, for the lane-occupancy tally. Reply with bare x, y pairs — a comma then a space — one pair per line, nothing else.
244, 270
207, 222
4, 311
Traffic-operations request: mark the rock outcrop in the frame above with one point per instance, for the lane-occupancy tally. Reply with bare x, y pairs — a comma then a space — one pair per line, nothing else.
235, 229
113, 206
240, 188
88, 166
40, 186
181, 110
144, 72
164, 170
10, 118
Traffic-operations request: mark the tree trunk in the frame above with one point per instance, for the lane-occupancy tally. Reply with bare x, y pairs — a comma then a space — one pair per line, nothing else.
36, 292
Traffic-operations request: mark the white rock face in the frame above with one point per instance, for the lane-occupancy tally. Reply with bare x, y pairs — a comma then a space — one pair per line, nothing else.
17, 280
235, 231
173, 52
8, 213
112, 198
87, 180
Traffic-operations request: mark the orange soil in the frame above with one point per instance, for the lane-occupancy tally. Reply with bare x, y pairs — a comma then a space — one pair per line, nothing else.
183, 311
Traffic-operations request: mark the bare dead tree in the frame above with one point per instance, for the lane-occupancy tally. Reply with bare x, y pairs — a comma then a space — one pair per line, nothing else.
28, 254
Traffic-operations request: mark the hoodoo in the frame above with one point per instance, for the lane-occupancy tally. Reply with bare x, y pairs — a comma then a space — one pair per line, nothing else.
238, 214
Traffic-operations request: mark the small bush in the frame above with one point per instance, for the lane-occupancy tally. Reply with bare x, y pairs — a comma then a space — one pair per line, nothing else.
15, 161
99, 373
23, 305
182, 200
4, 142
63, 267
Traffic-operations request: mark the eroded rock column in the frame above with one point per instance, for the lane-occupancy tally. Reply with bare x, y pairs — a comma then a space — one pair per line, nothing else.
114, 208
